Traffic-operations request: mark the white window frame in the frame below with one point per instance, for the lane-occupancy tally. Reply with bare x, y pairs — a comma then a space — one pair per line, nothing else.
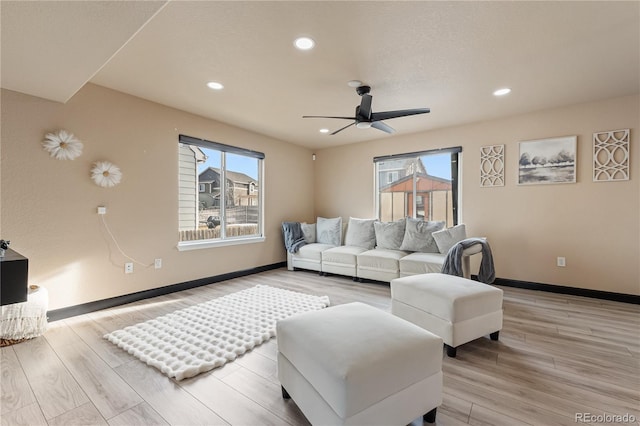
224, 240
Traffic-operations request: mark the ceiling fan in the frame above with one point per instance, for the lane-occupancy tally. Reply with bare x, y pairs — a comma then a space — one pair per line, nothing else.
365, 118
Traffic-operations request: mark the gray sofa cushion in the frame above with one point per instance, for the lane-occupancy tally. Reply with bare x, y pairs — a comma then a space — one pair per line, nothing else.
361, 233
418, 236
389, 235
448, 238
329, 231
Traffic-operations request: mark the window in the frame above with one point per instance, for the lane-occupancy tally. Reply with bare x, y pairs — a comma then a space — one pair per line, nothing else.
220, 194
420, 184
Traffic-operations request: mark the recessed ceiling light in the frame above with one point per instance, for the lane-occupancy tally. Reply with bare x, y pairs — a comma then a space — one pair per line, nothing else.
304, 43
502, 92
215, 85
324, 130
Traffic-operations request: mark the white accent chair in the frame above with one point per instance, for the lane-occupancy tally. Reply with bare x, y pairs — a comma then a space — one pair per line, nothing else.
457, 309
354, 364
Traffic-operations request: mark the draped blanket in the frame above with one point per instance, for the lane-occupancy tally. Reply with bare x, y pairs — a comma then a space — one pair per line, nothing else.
293, 237
453, 262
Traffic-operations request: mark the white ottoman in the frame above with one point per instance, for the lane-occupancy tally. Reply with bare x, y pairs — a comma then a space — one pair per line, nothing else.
357, 365
457, 309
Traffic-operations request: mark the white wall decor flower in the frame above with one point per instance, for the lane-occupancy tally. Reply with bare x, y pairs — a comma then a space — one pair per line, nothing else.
106, 174
62, 145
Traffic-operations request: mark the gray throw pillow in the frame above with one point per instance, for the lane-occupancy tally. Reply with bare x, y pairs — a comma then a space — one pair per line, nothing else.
329, 231
389, 234
448, 238
418, 236
308, 232
361, 233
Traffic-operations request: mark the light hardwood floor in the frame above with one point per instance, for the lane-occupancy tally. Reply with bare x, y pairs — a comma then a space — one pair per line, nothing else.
557, 356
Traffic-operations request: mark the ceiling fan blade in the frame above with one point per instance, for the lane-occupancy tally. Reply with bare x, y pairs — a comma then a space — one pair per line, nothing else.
386, 115
339, 130
325, 116
382, 126
365, 107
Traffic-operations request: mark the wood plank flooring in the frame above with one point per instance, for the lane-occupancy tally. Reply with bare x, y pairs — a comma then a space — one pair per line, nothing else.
558, 355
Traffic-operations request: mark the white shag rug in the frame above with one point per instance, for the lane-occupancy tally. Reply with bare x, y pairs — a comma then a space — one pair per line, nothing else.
200, 338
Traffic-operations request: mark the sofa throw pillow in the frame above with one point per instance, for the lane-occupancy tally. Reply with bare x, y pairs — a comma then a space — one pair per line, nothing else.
360, 233
389, 235
329, 231
448, 238
308, 232
418, 236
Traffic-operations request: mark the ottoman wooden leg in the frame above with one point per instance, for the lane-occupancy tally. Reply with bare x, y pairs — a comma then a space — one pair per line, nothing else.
494, 336
430, 417
285, 394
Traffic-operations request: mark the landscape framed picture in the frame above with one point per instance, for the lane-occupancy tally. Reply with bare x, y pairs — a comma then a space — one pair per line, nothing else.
547, 161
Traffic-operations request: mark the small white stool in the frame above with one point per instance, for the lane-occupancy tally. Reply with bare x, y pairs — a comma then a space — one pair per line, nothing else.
457, 309
354, 364
27, 319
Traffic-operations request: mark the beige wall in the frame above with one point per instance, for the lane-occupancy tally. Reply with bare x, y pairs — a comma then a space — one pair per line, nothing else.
596, 226
49, 206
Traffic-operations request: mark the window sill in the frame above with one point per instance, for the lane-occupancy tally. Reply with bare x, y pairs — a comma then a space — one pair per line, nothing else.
196, 245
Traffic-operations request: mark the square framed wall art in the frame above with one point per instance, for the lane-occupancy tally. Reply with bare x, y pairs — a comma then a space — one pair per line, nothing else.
547, 161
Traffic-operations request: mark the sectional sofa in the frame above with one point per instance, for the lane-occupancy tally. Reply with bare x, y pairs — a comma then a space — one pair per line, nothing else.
380, 251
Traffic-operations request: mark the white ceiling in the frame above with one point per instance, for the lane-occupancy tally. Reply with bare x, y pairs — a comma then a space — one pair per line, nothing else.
448, 56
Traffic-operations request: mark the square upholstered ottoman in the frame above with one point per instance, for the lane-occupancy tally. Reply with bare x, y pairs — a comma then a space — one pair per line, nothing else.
457, 309
357, 365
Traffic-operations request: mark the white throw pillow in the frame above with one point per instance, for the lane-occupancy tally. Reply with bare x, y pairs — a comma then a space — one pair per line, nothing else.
308, 232
329, 231
418, 236
361, 233
389, 235
448, 238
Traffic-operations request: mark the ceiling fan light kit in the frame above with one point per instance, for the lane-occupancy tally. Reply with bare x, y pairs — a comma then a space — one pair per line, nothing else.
365, 118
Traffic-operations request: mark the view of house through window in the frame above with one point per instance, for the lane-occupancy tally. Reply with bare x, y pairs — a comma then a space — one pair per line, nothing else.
421, 185
220, 191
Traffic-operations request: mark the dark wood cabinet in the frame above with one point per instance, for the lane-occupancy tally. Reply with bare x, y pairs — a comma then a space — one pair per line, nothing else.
14, 275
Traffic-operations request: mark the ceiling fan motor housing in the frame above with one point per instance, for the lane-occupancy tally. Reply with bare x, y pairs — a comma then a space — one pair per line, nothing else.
363, 90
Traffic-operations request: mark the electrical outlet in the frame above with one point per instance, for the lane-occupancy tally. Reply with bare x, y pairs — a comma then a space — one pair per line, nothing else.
158, 263
102, 210
561, 262
128, 268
